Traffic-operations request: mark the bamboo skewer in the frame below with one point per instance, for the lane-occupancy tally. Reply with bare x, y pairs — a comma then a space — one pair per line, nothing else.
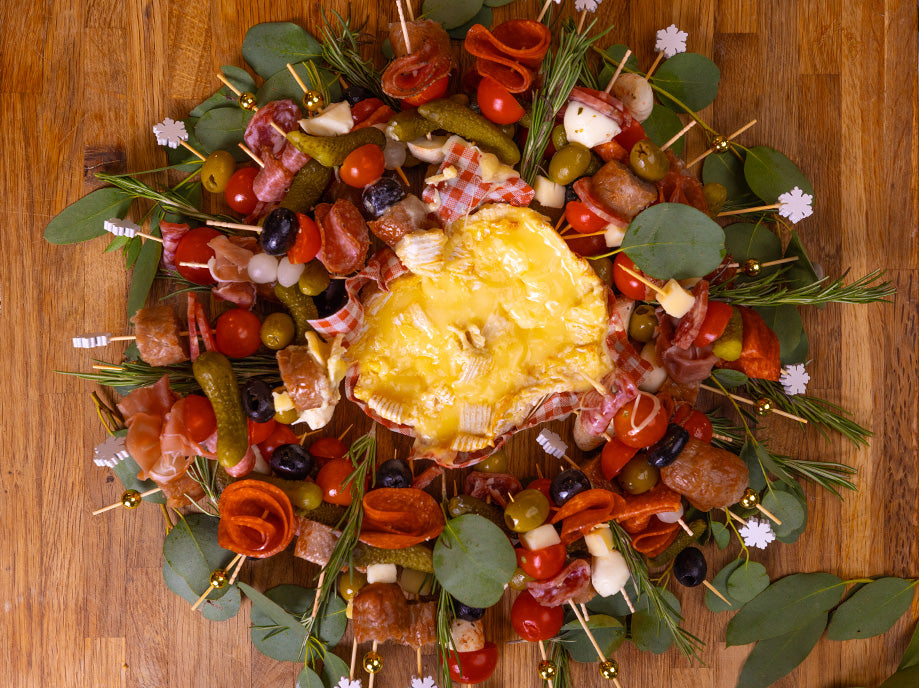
248, 151
750, 402
408, 43
768, 514
228, 83
418, 654
593, 641
542, 652
628, 602
210, 587
767, 264
119, 503
316, 599
741, 211
293, 73
373, 674
195, 152
596, 385
542, 12
609, 86
353, 659
411, 17
654, 65
717, 594
581, 21
730, 138
234, 225
676, 137
239, 567
734, 516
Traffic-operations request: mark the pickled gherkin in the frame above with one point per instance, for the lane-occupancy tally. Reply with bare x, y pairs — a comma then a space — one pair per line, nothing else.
416, 557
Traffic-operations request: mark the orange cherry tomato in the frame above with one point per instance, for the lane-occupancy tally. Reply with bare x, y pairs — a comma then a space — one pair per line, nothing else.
308, 241
363, 166
496, 102
330, 479
642, 422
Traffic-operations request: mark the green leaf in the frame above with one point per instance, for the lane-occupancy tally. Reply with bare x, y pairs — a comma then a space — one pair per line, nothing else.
772, 659
283, 85
788, 507
497, 3
223, 129
615, 605
751, 454
616, 52
911, 656
83, 219
770, 174
648, 633
904, 678
132, 251
284, 638
690, 78
748, 581
787, 605
785, 321
607, 631
721, 534
307, 678
727, 169
730, 378
696, 249
268, 47
145, 267
800, 273
226, 607
451, 13
800, 353
295, 601
743, 240
484, 16
474, 560
192, 552
333, 668
720, 583
224, 97
872, 610
662, 125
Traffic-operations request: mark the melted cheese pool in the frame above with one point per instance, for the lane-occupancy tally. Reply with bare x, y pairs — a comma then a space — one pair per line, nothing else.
494, 314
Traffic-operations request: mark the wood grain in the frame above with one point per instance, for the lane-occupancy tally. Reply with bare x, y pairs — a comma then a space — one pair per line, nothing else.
833, 85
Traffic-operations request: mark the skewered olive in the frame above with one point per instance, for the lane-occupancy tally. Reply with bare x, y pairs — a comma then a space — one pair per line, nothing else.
258, 403
648, 161
332, 299
384, 192
689, 567
520, 579
277, 331
642, 323
291, 461
569, 163
288, 417
217, 170
638, 476
314, 279
715, 196
307, 495
496, 463
529, 510
279, 233
350, 583
665, 451
509, 129
567, 484
355, 94
467, 613
559, 137
394, 473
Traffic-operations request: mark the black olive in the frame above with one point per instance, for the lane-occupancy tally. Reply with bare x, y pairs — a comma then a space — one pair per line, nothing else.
291, 462
355, 94
464, 611
257, 400
384, 192
567, 484
332, 299
394, 473
665, 451
689, 567
570, 195
279, 233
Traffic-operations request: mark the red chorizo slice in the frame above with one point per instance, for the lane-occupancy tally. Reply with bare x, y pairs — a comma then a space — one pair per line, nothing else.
511, 52
345, 237
399, 518
638, 509
655, 538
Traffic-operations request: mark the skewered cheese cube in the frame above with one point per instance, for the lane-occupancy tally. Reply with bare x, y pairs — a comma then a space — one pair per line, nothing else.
599, 540
468, 636
675, 300
609, 574
382, 573
613, 235
548, 193
654, 378
588, 126
539, 538
282, 401
333, 121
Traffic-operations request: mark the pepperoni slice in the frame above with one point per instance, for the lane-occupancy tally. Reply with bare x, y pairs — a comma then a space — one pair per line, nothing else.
256, 519
511, 53
637, 511
656, 538
411, 75
396, 518
586, 510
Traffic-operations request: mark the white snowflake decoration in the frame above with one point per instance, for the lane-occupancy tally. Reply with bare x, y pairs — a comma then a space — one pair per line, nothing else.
586, 5
90, 341
110, 452
346, 682
671, 41
120, 227
794, 379
551, 443
170, 133
426, 682
795, 205
757, 533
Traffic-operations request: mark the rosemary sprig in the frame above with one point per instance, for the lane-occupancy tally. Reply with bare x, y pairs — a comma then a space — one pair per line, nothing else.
186, 285
829, 475
561, 659
770, 291
688, 644
204, 472
725, 434
167, 198
560, 72
445, 615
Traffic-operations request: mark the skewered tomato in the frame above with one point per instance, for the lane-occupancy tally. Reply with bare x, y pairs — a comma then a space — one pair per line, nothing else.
642, 422
534, 622
259, 432
193, 248
477, 666
239, 193
715, 322
199, 417
330, 479
308, 241
625, 283
497, 103
582, 218
281, 434
328, 448
614, 457
238, 333
362, 110
542, 563
541, 484
695, 422
363, 166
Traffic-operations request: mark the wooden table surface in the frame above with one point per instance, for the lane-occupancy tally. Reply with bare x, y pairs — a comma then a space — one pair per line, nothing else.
832, 84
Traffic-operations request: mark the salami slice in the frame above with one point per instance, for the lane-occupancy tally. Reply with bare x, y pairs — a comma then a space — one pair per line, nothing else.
496, 486
259, 132
345, 236
412, 74
586, 510
604, 103
511, 52
690, 323
399, 518
273, 179
172, 233
572, 583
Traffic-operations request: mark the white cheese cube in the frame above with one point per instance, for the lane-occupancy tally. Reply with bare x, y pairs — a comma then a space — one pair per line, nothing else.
540, 538
654, 379
468, 636
333, 121
587, 126
609, 574
613, 235
282, 401
382, 573
675, 300
548, 193
599, 540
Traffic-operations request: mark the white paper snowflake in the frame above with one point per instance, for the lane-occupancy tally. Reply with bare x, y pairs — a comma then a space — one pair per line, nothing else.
346, 682
90, 341
671, 41
426, 682
110, 452
795, 205
588, 5
794, 379
170, 133
120, 227
757, 533
551, 443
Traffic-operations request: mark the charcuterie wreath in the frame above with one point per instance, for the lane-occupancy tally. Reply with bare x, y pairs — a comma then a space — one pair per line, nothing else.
555, 256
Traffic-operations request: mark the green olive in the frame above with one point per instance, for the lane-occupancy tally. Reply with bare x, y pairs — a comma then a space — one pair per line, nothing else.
217, 170
604, 269
308, 495
559, 137
350, 583
596, 162
715, 196
287, 417
529, 510
277, 331
638, 476
526, 120
648, 161
416, 582
496, 463
642, 323
569, 163
520, 579
314, 279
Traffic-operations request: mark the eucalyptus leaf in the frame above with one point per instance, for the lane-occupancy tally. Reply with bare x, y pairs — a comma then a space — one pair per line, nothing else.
609, 633
498, 3
450, 13
192, 552
730, 378
275, 632
744, 240
283, 85
333, 667
721, 534
872, 610
785, 321
220, 609
224, 97
674, 240
145, 267
307, 678
615, 605
690, 78
800, 273
720, 583
117, 242
748, 581
776, 657
661, 126
911, 656
484, 16
800, 354
770, 174
649, 634
616, 52
787, 605
83, 219
268, 47
788, 507
474, 560
904, 678
132, 251
751, 454
727, 169
223, 129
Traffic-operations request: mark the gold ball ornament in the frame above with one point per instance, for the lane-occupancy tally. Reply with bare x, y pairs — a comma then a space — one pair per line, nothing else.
372, 662
752, 267
219, 578
720, 144
763, 406
750, 499
313, 102
609, 669
247, 101
547, 670
130, 499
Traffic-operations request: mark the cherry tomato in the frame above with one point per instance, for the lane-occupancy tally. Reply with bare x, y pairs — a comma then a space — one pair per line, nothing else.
534, 622
642, 422
330, 478
199, 417
543, 485
477, 666
432, 92
497, 103
625, 283
582, 218
239, 194
364, 108
193, 248
259, 432
238, 333
328, 448
697, 425
614, 457
542, 563
280, 434
363, 166
714, 323
587, 245
308, 241
631, 135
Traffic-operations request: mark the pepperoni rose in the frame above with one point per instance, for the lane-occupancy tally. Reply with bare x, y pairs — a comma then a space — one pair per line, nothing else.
256, 519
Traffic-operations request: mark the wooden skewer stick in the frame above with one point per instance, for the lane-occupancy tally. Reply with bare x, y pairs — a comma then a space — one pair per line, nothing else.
102, 366
676, 137
607, 436
353, 659
542, 652
609, 86
228, 83
212, 586
685, 527
293, 73
118, 503
584, 612
628, 602
316, 599
737, 518
767, 264
581, 21
239, 567
750, 402
347, 430
408, 44
234, 225
773, 206
401, 174
418, 649
195, 152
716, 593
593, 641
189, 264
733, 136
278, 129
542, 12
596, 385
768, 514
373, 675
411, 17
657, 61
248, 151
650, 285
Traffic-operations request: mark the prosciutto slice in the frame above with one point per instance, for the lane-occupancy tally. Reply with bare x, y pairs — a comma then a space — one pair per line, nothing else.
572, 583
496, 486
144, 411
259, 132
685, 366
172, 234
510, 53
272, 181
345, 237
691, 323
412, 74
231, 258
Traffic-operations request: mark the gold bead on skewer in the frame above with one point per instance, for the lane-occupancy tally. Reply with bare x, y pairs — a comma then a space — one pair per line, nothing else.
763, 406
750, 499
752, 267
547, 670
372, 662
720, 144
219, 578
313, 101
247, 101
609, 669
130, 499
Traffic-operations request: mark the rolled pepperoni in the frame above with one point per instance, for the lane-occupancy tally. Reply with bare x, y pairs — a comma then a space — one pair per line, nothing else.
256, 519
511, 52
655, 538
637, 511
396, 518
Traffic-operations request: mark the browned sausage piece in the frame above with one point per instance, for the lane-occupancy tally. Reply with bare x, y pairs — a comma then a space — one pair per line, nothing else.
620, 191
157, 331
707, 476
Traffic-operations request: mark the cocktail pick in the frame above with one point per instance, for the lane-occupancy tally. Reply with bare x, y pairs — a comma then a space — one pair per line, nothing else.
670, 41
750, 500
126, 228
721, 144
676, 137
545, 8
219, 579
763, 406
690, 569
609, 86
553, 445
753, 267
248, 151
234, 225
94, 341
246, 99
130, 499
408, 44
372, 663
546, 667
606, 670
794, 205
172, 133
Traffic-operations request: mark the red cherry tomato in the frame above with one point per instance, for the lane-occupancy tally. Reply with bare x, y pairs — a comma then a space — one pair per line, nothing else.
542, 563
363, 109
699, 426
614, 457
199, 417
330, 478
542, 484
642, 422
363, 166
497, 103
328, 448
714, 323
193, 248
477, 666
280, 434
631, 135
308, 242
239, 194
534, 622
582, 218
625, 283
587, 245
432, 92
238, 333
259, 432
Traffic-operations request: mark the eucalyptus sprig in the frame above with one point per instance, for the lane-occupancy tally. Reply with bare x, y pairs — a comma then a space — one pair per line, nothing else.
445, 616
168, 198
771, 291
